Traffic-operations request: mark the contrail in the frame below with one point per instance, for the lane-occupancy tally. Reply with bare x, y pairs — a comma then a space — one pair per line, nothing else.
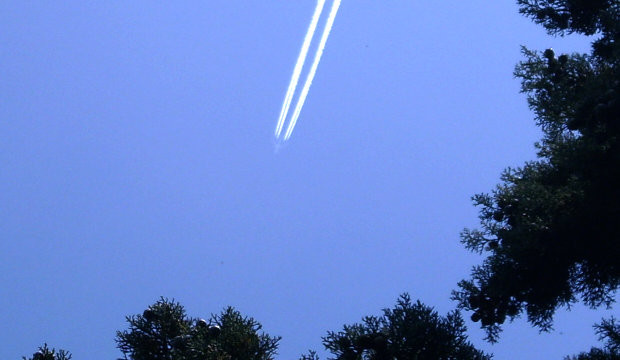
303, 54
312, 73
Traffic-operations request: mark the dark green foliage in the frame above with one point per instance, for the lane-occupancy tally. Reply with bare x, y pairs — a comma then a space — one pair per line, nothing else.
152, 334
311, 355
164, 331
240, 338
609, 332
551, 229
595, 354
408, 331
45, 353
572, 16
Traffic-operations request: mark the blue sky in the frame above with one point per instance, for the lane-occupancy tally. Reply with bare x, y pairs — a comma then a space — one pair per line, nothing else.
137, 160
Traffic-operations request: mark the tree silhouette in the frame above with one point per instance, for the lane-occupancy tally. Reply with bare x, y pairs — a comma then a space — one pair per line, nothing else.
164, 331
551, 229
45, 353
609, 332
409, 331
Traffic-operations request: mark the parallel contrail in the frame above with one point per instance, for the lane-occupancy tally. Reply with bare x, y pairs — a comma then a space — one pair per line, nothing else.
312, 73
303, 54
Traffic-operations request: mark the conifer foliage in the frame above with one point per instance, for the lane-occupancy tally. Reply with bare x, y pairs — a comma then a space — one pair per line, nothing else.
164, 331
408, 331
608, 331
551, 229
45, 353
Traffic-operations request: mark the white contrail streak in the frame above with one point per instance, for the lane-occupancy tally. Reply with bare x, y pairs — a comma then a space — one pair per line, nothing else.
312, 73
303, 54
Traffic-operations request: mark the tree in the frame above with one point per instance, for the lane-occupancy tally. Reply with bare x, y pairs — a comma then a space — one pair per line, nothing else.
311, 355
45, 353
408, 331
164, 331
551, 229
608, 331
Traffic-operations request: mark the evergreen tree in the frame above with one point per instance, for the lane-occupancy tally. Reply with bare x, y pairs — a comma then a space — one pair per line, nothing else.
45, 353
609, 332
409, 331
164, 331
551, 228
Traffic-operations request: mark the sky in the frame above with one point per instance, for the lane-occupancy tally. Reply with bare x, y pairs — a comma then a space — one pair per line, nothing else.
137, 160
